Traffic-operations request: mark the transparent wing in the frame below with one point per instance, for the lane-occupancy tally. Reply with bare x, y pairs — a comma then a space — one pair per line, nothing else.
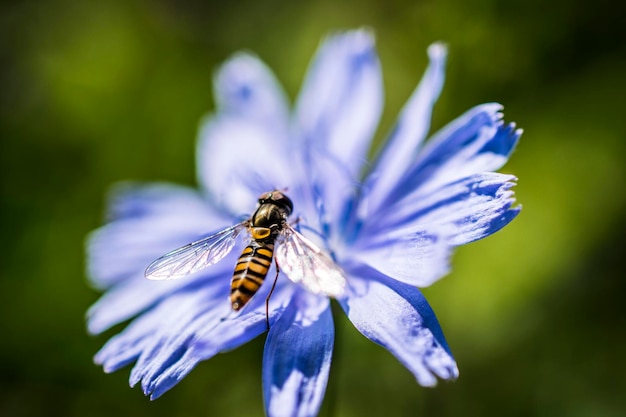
304, 263
194, 256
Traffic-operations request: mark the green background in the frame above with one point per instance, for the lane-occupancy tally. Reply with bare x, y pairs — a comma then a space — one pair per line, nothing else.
96, 92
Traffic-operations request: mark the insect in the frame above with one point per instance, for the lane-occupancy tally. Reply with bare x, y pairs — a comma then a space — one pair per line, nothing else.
270, 234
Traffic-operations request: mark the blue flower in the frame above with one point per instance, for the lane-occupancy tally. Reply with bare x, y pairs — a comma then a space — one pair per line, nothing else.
390, 225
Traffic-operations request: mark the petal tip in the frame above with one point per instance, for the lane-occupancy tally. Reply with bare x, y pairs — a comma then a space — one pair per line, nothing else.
493, 107
437, 50
107, 368
358, 40
156, 393
98, 358
94, 328
134, 378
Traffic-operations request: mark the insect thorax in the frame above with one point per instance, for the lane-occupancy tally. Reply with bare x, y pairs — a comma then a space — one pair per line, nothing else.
267, 216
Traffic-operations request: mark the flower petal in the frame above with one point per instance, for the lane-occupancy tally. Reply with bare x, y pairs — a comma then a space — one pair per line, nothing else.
128, 199
239, 159
141, 333
130, 298
214, 333
341, 99
478, 141
397, 316
148, 221
470, 209
297, 356
246, 87
410, 130
417, 257
488, 149
186, 314
125, 347
244, 150
337, 113
151, 220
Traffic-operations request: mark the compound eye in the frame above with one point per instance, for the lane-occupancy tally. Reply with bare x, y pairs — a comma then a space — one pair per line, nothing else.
278, 198
283, 201
265, 197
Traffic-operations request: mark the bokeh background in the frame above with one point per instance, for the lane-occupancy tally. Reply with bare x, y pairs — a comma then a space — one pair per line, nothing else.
96, 92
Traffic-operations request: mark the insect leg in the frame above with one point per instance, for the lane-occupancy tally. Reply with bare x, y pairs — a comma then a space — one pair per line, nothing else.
267, 300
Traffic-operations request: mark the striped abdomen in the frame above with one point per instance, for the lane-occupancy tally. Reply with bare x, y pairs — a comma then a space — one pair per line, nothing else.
250, 272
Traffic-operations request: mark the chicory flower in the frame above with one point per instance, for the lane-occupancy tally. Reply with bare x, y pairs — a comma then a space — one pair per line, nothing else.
389, 225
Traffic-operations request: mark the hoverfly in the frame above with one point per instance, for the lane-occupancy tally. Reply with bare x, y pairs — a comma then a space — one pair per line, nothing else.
299, 258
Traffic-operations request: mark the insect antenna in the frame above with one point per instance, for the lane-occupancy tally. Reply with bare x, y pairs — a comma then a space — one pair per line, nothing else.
267, 300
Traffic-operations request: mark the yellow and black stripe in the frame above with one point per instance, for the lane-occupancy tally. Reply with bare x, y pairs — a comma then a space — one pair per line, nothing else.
250, 272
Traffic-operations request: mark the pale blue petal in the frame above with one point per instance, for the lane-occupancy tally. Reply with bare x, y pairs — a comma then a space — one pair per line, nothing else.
189, 313
331, 191
219, 330
148, 221
341, 100
130, 199
135, 295
233, 331
124, 248
244, 149
239, 159
476, 142
124, 348
178, 369
398, 317
417, 257
469, 209
401, 149
245, 87
488, 150
297, 356
147, 330
337, 113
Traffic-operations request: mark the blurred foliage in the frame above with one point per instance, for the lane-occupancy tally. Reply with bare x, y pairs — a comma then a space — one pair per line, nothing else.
96, 92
